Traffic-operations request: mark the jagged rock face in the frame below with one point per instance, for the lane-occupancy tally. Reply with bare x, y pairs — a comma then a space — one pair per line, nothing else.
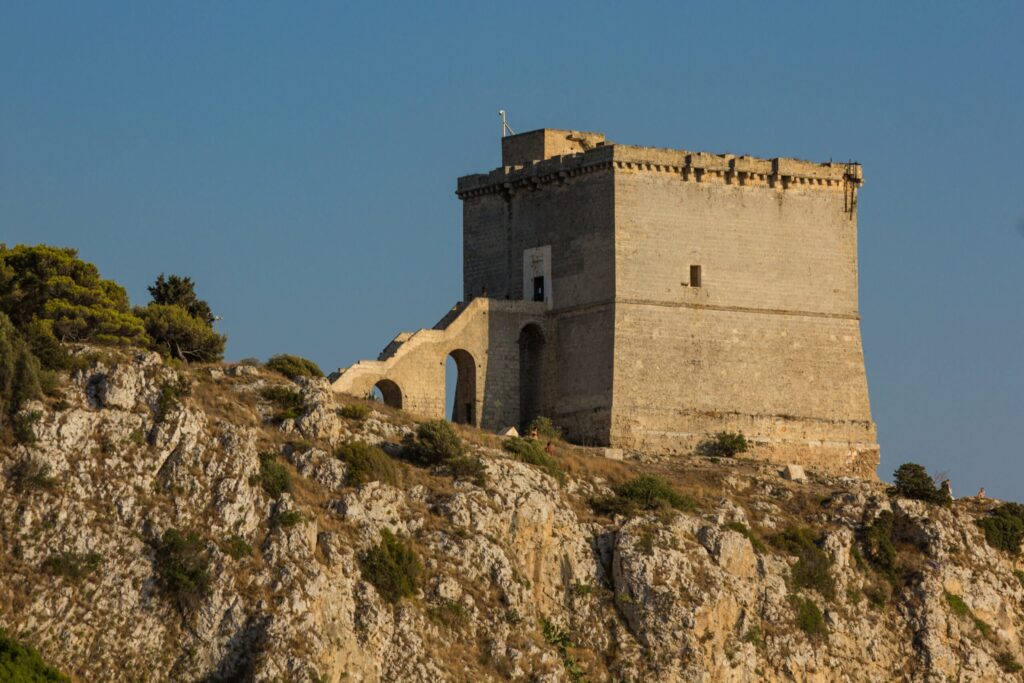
508, 566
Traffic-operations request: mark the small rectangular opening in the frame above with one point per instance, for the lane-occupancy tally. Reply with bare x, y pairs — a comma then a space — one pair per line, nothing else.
538, 288
695, 276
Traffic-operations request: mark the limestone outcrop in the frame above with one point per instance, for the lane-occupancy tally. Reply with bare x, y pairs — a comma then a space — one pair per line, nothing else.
521, 579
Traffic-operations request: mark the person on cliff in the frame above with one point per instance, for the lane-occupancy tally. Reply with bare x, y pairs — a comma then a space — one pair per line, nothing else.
549, 449
947, 488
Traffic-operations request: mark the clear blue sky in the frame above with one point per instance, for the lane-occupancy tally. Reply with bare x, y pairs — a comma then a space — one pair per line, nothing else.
299, 161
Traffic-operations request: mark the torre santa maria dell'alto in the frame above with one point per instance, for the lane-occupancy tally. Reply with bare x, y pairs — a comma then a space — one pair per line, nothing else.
646, 298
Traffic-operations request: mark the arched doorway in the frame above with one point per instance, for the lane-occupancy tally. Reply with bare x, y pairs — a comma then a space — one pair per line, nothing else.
464, 400
531, 355
390, 393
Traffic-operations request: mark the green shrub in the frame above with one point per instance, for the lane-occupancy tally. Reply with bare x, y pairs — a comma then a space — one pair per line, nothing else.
288, 403
912, 481
450, 614
723, 445
236, 547
354, 411
582, 589
183, 568
293, 367
72, 566
20, 371
367, 463
30, 474
754, 637
960, 609
287, 519
22, 664
61, 297
809, 618
878, 596
755, 542
23, 426
878, 545
812, 567
562, 641
531, 452
392, 567
169, 398
435, 443
544, 427
1020, 576
1004, 527
957, 604
1008, 663
645, 492
176, 334
274, 477
469, 467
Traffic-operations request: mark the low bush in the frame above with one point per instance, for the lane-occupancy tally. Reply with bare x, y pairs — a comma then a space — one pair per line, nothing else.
469, 467
531, 452
366, 463
755, 542
287, 518
913, 481
183, 568
878, 596
812, 567
30, 474
809, 618
236, 547
288, 403
1008, 663
960, 609
293, 367
354, 411
169, 398
274, 476
1004, 527
449, 613
435, 443
20, 371
723, 445
21, 663
645, 492
392, 567
72, 566
878, 545
23, 426
561, 640
1020, 576
544, 427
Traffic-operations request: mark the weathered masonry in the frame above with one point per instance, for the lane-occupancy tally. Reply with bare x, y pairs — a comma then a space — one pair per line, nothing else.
645, 298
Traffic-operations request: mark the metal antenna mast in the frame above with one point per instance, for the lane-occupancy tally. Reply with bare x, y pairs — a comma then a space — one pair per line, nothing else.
506, 130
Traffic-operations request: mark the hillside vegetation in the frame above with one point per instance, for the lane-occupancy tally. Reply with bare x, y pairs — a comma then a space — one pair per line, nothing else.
202, 521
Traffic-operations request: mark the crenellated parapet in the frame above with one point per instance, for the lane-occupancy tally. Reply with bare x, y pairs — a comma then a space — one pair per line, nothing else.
780, 173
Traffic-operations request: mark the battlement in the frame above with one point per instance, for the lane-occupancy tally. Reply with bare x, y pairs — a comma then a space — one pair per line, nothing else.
548, 156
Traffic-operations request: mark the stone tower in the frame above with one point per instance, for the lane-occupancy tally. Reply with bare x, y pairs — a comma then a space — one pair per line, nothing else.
646, 298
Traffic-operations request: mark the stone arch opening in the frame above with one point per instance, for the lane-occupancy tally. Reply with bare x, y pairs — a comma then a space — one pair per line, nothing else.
531, 355
464, 409
390, 393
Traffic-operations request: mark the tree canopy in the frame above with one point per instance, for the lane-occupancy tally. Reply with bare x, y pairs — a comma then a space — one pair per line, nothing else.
52, 295
175, 290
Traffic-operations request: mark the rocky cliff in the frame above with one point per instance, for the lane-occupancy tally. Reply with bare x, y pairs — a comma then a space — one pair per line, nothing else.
759, 578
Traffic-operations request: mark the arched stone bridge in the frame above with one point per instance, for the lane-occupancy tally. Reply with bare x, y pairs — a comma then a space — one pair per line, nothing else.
498, 348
